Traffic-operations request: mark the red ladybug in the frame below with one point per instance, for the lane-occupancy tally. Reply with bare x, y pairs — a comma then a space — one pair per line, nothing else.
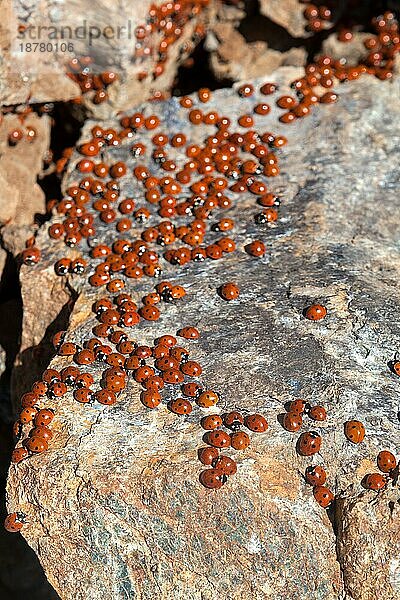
36, 445
256, 248
189, 333
106, 397
317, 413
309, 443
354, 431
316, 312
213, 479
218, 438
191, 368
83, 395
233, 420
229, 291
151, 399
180, 406
292, 421
386, 461
240, 440
211, 422
207, 399
256, 423
375, 481
44, 417
191, 389
207, 455
298, 406
226, 464
323, 495
15, 521
315, 475
19, 454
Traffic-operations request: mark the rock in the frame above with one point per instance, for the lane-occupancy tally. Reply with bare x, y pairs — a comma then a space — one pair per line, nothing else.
353, 51
21, 197
287, 14
232, 57
40, 76
115, 506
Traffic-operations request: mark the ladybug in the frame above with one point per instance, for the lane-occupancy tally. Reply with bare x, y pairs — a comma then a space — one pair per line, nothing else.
69, 375
316, 312
84, 380
83, 395
256, 248
233, 420
14, 522
172, 376
106, 397
84, 357
29, 400
167, 340
218, 438
43, 417
67, 349
41, 432
57, 390
181, 354
19, 454
208, 455
207, 398
191, 368
180, 406
315, 475
166, 362
31, 256
396, 367
211, 422
191, 389
27, 415
189, 333
256, 423
225, 464
292, 421
229, 291
297, 407
240, 440
36, 445
309, 443
51, 375
323, 496
78, 266
375, 481
154, 383
354, 431
386, 461
317, 413
149, 312
212, 478
58, 339
151, 399
62, 266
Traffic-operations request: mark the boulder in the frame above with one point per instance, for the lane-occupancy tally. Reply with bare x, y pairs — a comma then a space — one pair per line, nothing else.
105, 31
115, 506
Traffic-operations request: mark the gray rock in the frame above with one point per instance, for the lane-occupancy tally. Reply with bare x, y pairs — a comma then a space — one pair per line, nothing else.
115, 507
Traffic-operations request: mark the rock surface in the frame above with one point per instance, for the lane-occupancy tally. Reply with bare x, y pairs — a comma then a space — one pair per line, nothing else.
115, 507
42, 78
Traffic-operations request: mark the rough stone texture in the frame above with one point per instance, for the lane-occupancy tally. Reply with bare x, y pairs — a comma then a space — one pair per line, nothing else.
287, 14
232, 57
52, 84
21, 197
115, 507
